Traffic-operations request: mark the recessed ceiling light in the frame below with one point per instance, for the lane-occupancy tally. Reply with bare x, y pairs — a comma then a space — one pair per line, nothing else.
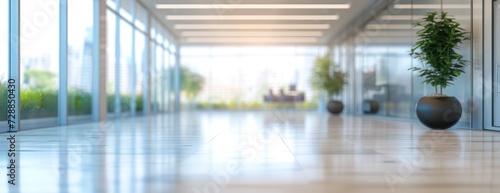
252, 17
253, 6
251, 33
415, 17
252, 26
252, 40
431, 6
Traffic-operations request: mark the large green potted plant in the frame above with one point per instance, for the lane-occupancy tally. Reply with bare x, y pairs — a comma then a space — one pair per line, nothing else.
438, 41
327, 76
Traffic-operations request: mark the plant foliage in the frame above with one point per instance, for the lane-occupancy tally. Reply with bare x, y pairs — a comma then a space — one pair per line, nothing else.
327, 76
436, 48
191, 82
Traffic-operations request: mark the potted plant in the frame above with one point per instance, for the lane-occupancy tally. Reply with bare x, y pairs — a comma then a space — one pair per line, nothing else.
436, 47
327, 76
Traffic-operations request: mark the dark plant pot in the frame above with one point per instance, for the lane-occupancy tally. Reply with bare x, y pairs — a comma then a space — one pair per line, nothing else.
335, 107
439, 112
370, 106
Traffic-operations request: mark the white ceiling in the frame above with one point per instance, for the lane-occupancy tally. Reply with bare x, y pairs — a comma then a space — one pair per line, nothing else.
253, 35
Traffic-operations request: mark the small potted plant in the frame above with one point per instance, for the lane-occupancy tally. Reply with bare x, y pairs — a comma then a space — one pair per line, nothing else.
327, 76
436, 47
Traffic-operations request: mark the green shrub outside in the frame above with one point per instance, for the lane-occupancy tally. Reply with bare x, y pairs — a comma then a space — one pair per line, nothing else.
124, 103
42, 103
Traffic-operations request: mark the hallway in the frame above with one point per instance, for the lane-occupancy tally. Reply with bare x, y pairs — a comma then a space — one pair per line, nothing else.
253, 151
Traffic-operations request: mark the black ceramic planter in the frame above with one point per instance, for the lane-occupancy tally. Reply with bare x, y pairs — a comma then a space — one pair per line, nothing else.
370, 106
439, 112
335, 107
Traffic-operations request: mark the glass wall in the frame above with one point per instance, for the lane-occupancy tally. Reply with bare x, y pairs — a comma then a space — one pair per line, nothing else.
80, 45
128, 69
129, 61
39, 59
380, 51
239, 77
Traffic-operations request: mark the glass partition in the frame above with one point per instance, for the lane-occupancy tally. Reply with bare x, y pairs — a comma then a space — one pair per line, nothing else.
381, 53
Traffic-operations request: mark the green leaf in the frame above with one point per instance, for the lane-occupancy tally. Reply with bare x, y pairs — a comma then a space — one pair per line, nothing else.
435, 48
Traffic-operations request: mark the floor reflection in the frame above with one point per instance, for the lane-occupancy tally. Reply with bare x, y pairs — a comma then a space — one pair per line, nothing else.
266, 151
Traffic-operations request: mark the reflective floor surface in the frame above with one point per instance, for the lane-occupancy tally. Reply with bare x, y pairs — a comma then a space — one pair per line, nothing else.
251, 152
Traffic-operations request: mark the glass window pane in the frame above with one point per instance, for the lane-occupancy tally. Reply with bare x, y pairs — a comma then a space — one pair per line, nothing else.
127, 9
125, 65
111, 4
171, 66
110, 61
39, 59
166, 42
172, 48
153, 29
167, 80
80, 43
141, 20
157, 90
159, 35
141, 57
159, 38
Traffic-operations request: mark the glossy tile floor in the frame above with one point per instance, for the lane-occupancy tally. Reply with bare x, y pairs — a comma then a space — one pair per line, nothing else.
252, 152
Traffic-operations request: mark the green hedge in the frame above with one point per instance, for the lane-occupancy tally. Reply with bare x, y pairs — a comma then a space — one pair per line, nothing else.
38, 103
124, 103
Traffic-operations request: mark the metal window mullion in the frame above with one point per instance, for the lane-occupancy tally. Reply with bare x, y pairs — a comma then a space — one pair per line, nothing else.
14, 62
62, 113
